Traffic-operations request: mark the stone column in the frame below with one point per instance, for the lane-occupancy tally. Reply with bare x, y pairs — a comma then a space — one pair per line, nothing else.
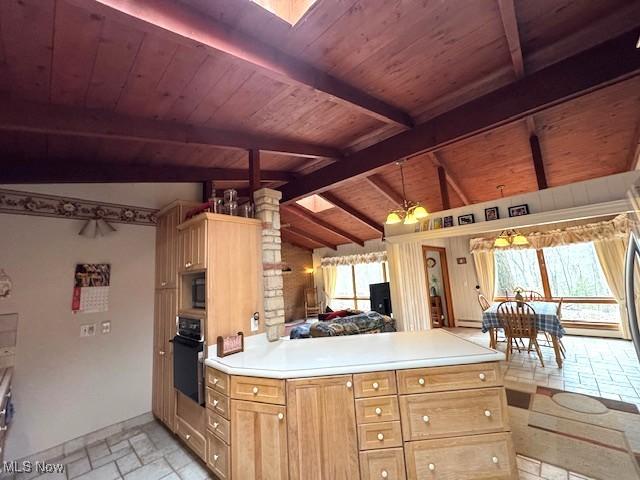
267, 203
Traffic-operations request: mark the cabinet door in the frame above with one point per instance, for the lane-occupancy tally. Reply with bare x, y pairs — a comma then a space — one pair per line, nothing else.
192, 246
167, 249
184, 250
259, 441
163, 402
157, 406
321, 419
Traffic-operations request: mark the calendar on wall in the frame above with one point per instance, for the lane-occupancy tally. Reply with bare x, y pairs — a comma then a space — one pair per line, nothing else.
91, 288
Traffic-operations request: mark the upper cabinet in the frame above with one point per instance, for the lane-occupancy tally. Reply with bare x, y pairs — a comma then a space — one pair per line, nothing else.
192, 245
167, 243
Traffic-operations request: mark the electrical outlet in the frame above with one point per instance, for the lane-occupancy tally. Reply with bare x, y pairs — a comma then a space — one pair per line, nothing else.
88, 330
106, 327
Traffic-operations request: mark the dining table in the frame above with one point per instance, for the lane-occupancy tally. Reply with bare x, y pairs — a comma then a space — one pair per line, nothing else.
547, 319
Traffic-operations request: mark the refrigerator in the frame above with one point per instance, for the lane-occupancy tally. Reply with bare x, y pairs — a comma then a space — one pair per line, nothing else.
632, 263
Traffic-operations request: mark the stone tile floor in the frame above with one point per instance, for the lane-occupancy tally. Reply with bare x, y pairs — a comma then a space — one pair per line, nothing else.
602, 367
148, 452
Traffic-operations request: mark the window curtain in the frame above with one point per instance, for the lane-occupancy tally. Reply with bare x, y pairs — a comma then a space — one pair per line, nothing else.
408, 286
371, 257
329, 276
611, 254
485, 272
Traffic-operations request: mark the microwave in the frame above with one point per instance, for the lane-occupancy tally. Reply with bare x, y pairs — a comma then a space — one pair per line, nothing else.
199, 292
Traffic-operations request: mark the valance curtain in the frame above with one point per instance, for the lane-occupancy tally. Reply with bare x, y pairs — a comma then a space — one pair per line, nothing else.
330, 276
408, 286
371, 257
618, 227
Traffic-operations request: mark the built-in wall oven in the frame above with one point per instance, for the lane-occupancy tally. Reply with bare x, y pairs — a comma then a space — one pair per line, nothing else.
188, 358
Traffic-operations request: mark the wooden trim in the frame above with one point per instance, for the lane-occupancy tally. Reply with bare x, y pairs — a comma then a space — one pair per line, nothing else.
438, 162
93, 172
510, 24
302, 213
444, 192
254, 170
308, 236
187, 25
538, 163
634, 152
444, 266
385, 189
542, 265
591, 326
85, 122
362, 218
585, 72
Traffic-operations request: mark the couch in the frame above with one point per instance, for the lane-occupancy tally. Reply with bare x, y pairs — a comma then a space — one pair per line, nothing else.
366, 322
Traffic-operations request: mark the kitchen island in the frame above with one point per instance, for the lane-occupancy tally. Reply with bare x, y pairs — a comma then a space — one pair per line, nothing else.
384, 406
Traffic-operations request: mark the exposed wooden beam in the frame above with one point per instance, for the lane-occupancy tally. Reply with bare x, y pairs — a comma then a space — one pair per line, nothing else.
308, 236
385, 189
306, 215
438, 162
294, 241
603, 65
208, 190
67, 120
254, 170
94, 172
634, 151
510, 24
185, 23
348, 209
444, 191
538, 163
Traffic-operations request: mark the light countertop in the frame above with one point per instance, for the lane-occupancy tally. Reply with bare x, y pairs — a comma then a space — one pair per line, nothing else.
314, 357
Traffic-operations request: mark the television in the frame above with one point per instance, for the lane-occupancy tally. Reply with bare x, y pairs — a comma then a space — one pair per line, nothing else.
380, 298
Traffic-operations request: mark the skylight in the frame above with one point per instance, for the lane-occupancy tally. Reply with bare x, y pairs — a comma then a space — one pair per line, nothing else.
291, 11
315, 203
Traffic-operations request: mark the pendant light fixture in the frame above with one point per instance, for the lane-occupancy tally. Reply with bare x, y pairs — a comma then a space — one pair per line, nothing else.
410, 212
510, 237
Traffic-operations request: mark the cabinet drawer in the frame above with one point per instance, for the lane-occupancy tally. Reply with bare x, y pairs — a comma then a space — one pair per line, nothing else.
464, 458
374, 384
379, 435
218, 380
219, 425
377, 409
217, 402
387, 464
255, 389
439, 379
191, 437
450, 414
218, 456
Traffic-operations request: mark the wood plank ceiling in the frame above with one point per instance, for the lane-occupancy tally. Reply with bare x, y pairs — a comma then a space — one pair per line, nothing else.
109, 90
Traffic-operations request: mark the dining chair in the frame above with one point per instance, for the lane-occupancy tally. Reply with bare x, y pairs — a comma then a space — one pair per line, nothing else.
484, 303
311, 306
533, 296
519, 323
563, 350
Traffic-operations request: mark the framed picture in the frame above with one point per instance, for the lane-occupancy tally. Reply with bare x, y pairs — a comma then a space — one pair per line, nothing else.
447, 222
491, 213
437, 223
466, 219
519, 210
461, 260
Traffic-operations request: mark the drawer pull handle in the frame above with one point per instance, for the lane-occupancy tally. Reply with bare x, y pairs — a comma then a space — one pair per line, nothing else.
187, 436
349, 384
495, 460
421, 381
215, 425
380, 437
426, 419
376, 385
384, 474
432, 467
188, 265
378, 411
482, 377
255, 390
162, 353
215, 457
215, 381
487, 413
281, 416
215, 403
164, 284
3, 411
3, 428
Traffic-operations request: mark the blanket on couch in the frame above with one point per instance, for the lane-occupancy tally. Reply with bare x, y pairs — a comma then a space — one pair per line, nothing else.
369, 322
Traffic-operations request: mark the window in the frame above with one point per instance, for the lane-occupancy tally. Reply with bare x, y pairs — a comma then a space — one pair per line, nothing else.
352, 285
570, 272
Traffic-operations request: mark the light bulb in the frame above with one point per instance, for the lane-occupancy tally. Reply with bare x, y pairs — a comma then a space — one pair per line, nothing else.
393, 218
420, 212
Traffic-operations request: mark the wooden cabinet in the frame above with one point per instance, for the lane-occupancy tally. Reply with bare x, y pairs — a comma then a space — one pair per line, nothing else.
385, 464
166, 249
218, 456
440, 379
259, 441
163, 404
266, 390
322, 433
192, 245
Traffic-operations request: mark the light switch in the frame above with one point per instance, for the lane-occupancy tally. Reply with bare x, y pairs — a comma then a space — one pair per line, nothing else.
106, 327
88, 330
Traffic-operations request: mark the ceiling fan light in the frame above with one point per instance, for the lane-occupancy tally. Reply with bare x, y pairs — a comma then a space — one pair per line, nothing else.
393, 218
520, 240
410, 219
420, 212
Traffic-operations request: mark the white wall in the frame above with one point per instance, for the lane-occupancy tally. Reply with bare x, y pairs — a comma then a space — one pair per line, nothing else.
66, 386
